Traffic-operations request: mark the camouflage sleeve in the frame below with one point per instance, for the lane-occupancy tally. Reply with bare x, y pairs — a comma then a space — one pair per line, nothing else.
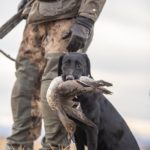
91, 8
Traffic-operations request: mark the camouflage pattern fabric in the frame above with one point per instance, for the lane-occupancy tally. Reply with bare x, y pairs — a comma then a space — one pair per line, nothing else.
38, 56
52, 10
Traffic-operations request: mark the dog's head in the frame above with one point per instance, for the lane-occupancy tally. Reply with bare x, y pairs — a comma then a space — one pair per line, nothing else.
74, 65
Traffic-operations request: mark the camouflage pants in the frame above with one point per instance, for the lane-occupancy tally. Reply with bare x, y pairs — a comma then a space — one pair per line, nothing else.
41, 47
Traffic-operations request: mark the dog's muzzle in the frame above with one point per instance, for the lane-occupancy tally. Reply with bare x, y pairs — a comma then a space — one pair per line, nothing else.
70, 77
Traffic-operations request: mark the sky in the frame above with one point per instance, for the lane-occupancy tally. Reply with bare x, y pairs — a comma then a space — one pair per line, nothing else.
119, 53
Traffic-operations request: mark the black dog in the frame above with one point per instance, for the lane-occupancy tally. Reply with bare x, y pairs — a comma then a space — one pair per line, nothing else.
112, 133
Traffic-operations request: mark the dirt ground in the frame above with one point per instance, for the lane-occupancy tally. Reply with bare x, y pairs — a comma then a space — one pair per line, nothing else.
3, 141
37, 145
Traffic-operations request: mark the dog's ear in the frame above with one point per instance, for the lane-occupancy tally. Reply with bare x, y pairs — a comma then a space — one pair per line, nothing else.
60, 65
88, 65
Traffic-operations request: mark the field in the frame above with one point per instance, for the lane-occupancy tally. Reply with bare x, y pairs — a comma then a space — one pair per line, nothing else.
37, 145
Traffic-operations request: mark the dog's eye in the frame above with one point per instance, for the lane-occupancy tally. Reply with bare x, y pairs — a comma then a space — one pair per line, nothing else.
78, 65
67, 62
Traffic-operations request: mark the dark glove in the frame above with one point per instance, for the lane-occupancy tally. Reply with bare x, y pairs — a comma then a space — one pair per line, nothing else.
22, 4
79, 33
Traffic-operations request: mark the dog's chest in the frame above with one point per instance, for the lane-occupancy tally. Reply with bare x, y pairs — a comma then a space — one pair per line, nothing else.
89, 105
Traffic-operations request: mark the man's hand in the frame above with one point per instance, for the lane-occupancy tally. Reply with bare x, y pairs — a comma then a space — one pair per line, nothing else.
22, 4
79, 33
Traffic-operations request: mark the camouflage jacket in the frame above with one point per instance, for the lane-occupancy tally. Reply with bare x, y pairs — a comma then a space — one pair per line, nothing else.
51, 10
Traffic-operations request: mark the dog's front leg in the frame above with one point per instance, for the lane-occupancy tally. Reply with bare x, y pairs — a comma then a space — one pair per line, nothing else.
80, 138
92, 138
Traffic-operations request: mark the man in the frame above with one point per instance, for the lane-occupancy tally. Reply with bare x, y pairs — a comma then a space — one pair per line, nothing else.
53, 28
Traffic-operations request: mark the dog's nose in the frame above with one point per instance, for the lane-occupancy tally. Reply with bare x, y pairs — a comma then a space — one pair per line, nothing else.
70, 77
